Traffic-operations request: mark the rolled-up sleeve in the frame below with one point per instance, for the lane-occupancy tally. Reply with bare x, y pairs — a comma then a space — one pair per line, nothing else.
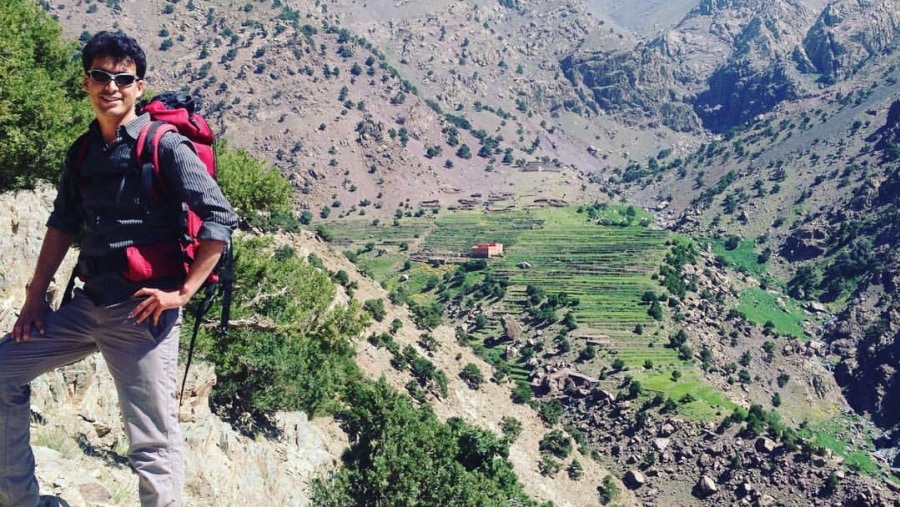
184, 170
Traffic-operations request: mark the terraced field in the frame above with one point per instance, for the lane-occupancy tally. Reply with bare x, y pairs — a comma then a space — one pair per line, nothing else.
607, 268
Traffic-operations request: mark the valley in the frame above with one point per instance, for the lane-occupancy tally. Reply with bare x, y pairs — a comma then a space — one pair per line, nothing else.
697, 204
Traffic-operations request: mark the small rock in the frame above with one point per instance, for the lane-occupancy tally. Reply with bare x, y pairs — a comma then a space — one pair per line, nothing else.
765, 445
661, 443
666, 430
634, 479
707, 486
94, 493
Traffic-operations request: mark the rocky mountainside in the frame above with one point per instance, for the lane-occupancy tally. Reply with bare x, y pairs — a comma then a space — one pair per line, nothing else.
731, 61
768, 121
80, 446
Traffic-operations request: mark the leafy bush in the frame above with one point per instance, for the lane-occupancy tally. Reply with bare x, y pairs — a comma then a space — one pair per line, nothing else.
375, 307
522, 392
551, 411
472, 376
249, 183
557, 443
511, 428
288, 347
608, 490
415, 459
42, 110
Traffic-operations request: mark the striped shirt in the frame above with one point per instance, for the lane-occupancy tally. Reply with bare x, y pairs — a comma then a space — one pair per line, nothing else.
103, 201
185, 175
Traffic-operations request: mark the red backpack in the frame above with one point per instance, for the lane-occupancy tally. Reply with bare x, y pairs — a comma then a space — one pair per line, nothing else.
175, 112
170, 112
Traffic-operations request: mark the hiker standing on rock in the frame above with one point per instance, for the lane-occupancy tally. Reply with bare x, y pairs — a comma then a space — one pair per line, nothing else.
134, 321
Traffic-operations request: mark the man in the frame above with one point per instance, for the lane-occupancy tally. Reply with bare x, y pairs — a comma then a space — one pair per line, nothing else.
134, 325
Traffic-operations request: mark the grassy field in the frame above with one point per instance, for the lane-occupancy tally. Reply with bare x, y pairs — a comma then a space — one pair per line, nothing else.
607, 268
834, 434
760, 307
743, 258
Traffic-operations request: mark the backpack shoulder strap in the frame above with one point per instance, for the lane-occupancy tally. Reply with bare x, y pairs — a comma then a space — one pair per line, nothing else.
147, 156
78, 153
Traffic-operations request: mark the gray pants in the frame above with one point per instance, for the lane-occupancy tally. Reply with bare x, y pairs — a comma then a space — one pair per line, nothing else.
142, 359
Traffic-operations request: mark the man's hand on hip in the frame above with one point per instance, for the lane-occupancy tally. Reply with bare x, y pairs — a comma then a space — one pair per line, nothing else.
156, 302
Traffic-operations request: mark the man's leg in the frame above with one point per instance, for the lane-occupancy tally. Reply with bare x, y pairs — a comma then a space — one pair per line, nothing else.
143, 361
66, 339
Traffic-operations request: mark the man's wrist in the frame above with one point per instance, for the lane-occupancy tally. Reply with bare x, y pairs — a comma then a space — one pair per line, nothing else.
36, 292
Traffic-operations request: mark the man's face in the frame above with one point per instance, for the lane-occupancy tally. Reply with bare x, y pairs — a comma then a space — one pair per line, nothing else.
112, 101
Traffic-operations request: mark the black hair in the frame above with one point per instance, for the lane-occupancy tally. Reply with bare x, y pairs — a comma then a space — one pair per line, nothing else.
117, 45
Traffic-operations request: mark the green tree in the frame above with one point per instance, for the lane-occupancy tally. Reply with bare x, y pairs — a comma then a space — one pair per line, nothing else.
511, 428
522, 392
575, 470
42, 110
557, 443
251, 185
375, 307
301, 355
472, 376
403, 456
551, 411
608, 490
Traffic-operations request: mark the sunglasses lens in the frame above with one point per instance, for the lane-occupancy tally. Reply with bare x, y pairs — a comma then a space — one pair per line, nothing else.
124, 79
99, 77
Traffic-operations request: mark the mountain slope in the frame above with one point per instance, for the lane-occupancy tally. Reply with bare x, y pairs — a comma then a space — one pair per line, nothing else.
746, 119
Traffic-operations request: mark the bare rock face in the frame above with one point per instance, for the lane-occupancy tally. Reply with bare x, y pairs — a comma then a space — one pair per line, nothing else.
625, 84
849, 33
805, 243
738, 92
728, 61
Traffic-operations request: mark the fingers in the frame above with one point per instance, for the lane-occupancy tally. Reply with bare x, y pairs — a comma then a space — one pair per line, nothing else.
142, 311
19, 332
152, 306
22, 328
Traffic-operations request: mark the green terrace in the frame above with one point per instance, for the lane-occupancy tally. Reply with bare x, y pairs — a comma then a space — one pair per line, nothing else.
606, 260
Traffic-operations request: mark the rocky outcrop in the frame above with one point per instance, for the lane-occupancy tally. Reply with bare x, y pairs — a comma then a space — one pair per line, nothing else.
849, 33
635, 87
730, 61
737, 93
805, 243
717, 465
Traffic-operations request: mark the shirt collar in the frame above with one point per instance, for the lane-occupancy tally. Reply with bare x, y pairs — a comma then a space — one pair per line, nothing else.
132, 128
